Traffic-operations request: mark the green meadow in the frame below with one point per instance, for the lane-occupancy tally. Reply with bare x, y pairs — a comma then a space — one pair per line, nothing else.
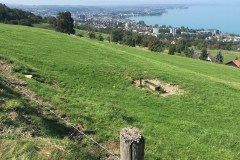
91, 82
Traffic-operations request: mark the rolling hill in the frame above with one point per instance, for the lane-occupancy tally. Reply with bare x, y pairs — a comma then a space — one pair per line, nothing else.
91, 83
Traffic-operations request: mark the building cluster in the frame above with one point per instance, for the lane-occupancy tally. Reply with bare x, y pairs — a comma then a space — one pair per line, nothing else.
223, 38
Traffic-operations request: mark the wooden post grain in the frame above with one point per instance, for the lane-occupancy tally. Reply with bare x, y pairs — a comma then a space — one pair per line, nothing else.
132, 144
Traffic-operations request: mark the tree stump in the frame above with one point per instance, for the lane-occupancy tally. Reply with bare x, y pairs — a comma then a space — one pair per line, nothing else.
132, 144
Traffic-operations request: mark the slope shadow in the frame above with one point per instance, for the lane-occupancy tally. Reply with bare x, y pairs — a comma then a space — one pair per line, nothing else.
29, 117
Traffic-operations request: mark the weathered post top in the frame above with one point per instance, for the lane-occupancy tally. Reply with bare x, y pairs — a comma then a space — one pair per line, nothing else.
131, 144
140, 82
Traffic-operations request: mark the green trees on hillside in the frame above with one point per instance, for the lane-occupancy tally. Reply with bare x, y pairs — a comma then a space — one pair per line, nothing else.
117, 35
134, 39
100, 37
219, 57
155, 45
17, 16
64, 23
204, 54
138, 39
92, 35
128, 40
172, 50
190, 53
181, 45
50, 20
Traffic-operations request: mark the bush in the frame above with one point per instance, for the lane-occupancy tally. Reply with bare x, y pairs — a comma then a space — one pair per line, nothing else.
92, 35
155, 45
100, 38
80, 35
172, 50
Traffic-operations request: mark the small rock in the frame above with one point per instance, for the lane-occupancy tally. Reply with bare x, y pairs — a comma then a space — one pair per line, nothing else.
29, 76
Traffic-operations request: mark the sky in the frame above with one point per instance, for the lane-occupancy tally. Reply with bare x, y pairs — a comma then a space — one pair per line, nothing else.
114, 2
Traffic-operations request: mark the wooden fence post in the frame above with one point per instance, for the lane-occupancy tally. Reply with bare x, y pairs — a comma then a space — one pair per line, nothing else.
132, 144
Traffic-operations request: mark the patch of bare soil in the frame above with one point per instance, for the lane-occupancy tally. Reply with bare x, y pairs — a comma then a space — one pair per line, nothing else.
46, 149
167, 87
26, 134
114, 148
76, 136
5, 67
110, 158
45, 152
13, 115
4, 129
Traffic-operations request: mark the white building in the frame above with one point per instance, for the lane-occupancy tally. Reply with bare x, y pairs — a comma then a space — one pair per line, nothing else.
156, 30
173, 31
127, 26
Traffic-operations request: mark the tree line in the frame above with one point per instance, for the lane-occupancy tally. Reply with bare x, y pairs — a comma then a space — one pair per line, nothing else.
62, 23
17, 16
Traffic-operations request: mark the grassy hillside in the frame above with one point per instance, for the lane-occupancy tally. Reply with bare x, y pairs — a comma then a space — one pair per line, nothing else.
27, 133
91, 82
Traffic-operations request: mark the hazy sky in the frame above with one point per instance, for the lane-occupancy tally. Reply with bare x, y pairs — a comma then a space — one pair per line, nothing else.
112, 2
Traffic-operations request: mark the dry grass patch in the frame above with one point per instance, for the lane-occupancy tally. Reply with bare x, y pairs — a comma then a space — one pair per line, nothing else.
13, 115
164, 89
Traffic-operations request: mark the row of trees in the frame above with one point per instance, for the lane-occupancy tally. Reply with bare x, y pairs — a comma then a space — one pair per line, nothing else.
17, 16
186, 51
193, 40
92, 35
62, 23
134, 39
183, 46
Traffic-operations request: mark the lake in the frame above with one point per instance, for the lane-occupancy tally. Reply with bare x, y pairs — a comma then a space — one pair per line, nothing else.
225, 18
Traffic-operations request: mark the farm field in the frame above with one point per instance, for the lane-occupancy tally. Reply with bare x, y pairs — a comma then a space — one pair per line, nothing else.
91, 82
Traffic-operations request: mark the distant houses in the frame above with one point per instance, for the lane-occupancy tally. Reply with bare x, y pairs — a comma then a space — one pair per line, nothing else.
209, 58
173, 42
235, 63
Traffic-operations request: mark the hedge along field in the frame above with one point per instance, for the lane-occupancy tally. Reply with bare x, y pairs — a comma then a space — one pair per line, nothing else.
91, 82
